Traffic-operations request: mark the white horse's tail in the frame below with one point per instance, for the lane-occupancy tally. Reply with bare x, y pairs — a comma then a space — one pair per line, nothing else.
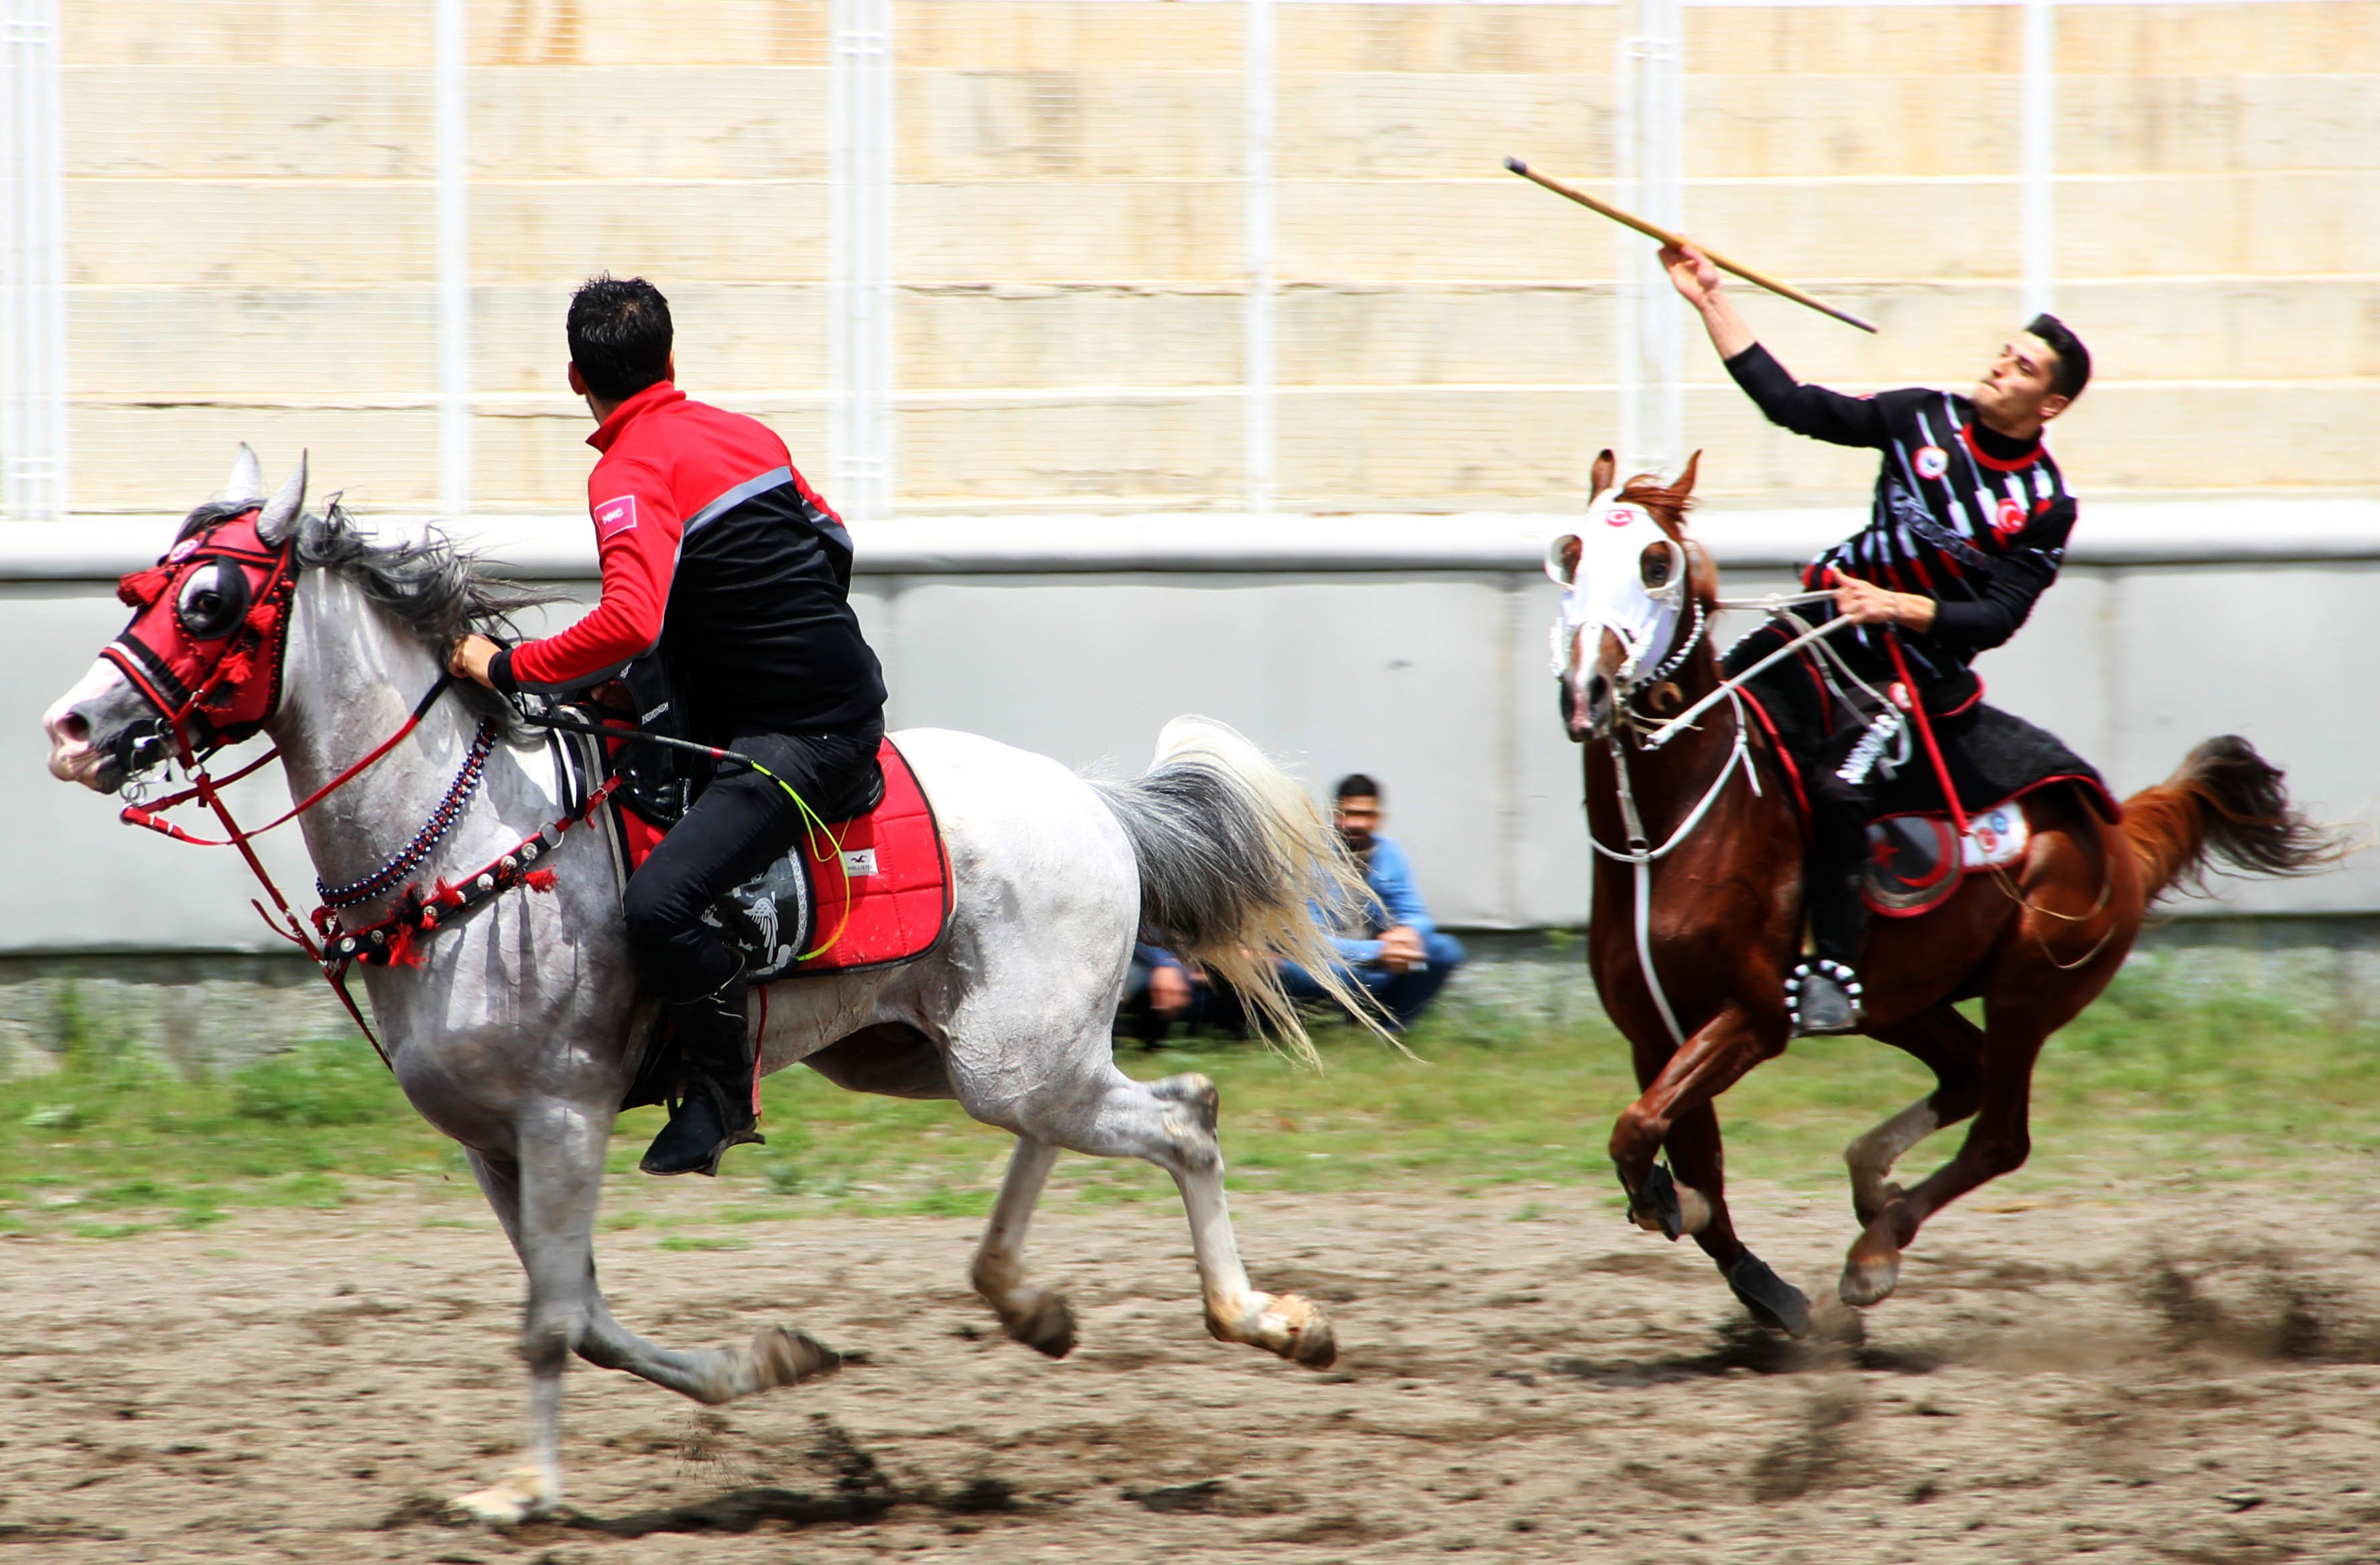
1235, 861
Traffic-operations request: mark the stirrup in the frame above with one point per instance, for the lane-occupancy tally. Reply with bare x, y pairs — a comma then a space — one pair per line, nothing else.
732, 1124
1822, 996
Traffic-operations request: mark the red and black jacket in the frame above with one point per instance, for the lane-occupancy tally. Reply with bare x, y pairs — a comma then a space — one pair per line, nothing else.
1971, 520
717, 553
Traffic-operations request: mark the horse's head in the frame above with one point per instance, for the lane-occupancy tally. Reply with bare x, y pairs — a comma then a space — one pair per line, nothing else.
199, 665
1634, 588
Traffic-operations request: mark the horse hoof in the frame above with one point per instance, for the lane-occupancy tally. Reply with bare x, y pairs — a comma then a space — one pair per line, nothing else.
1048, 1329
522, 1496
1868, 1279
788, 1358
1311, 1340
1774, 1303
1655, 1208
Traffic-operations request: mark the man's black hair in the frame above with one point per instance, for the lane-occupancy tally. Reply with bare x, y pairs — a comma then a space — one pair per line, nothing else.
2072, 370
1355, 786
620, 335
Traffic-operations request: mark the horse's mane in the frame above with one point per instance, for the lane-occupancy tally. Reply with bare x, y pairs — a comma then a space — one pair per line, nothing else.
1667, 504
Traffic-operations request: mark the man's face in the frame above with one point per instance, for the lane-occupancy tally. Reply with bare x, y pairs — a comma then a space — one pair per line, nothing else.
2015, 392
1357, 817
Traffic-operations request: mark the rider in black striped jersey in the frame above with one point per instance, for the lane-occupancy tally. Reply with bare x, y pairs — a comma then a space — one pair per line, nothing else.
1968, 528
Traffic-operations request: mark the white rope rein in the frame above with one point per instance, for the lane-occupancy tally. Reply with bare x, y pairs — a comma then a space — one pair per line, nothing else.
1641, 855
1776, 603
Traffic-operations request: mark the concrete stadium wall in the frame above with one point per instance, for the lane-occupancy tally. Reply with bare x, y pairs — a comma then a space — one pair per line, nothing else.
250, 252
1413, 647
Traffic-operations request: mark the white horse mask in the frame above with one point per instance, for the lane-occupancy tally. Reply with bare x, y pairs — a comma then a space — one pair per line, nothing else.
1622, 573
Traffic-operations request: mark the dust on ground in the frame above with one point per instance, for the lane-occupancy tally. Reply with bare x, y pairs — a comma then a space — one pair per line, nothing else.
2171, 1376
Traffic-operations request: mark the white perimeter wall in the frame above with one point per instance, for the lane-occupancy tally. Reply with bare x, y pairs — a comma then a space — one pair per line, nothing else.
1413, 647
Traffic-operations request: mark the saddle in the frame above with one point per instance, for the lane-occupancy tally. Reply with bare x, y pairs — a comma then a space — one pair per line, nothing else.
871, 891
1916, 857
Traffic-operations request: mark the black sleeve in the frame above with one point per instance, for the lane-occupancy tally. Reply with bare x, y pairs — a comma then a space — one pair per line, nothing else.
2018, 579
1807, 410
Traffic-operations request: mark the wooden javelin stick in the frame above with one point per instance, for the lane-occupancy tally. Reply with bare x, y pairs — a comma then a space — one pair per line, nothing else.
1665, 236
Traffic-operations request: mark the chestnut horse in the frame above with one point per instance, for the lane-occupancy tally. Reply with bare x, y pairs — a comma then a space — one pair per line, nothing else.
1708, 825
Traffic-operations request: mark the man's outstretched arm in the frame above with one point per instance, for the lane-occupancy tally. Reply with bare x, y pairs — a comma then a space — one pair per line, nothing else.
1807, 411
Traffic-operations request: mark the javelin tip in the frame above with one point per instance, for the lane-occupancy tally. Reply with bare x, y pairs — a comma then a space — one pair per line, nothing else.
1516, 165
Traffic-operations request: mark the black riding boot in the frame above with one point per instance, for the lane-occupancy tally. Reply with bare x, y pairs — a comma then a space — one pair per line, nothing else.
1824, 992
713, 1110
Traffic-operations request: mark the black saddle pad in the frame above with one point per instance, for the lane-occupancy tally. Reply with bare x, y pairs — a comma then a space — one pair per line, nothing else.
1992, 757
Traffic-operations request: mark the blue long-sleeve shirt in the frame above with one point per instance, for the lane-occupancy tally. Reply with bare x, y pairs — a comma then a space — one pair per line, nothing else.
1389, 874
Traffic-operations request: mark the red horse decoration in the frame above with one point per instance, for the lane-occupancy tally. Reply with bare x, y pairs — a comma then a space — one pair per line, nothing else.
1707, 826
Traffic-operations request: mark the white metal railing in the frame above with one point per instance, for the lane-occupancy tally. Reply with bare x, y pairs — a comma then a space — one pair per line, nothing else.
561, 547
32, 265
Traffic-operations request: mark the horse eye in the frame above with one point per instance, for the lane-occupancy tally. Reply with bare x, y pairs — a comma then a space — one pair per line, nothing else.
1655, 566
213, 600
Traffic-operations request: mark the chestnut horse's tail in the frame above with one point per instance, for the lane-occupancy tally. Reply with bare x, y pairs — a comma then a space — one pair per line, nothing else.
2225, 802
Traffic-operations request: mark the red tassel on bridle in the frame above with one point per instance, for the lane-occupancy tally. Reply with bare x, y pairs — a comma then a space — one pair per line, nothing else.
140, 588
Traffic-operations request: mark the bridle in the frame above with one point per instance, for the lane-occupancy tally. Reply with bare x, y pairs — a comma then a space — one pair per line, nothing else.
1663, 631
211, 613
206, 646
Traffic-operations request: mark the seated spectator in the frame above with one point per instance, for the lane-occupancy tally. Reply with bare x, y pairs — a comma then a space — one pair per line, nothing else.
1397, 952
1159, 992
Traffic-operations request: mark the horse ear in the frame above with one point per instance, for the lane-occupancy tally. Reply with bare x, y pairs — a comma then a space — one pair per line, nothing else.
1606, 467
1685, 484
247, 477
281, 513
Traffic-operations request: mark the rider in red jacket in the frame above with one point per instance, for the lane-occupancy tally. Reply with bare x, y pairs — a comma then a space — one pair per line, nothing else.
723, 562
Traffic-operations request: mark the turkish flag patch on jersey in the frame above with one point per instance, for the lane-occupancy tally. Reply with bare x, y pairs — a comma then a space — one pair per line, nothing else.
2011, 518
614, 517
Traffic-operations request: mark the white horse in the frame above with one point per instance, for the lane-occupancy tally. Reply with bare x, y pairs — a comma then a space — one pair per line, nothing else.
519, 1034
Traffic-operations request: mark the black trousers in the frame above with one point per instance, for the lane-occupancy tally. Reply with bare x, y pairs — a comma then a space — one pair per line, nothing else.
737, 827
1819, 732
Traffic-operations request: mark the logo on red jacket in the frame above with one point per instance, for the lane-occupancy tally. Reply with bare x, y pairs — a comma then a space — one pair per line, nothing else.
2012, 519
1931, 462
616, 517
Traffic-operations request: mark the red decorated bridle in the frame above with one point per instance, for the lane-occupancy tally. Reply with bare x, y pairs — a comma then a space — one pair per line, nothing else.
209, 635
207, 617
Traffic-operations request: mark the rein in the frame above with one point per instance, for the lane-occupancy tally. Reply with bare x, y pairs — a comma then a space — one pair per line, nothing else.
209, 792
1642, 856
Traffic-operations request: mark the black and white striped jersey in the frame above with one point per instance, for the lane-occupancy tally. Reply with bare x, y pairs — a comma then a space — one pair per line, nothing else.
1971, 520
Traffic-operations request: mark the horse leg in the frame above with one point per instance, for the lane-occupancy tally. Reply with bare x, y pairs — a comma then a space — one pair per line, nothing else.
545, 1199
1713, 1060
1951, 1046
1997, 1143
1040, 1320
1697, 1154
574, 1314
1101, 1111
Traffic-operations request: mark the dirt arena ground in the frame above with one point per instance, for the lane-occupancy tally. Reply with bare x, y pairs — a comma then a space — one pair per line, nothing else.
2170, 1376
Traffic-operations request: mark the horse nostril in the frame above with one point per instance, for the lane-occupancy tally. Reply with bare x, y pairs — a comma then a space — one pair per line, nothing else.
74, 728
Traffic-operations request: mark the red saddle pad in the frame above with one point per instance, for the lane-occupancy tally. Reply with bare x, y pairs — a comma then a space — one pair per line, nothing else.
895, 902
